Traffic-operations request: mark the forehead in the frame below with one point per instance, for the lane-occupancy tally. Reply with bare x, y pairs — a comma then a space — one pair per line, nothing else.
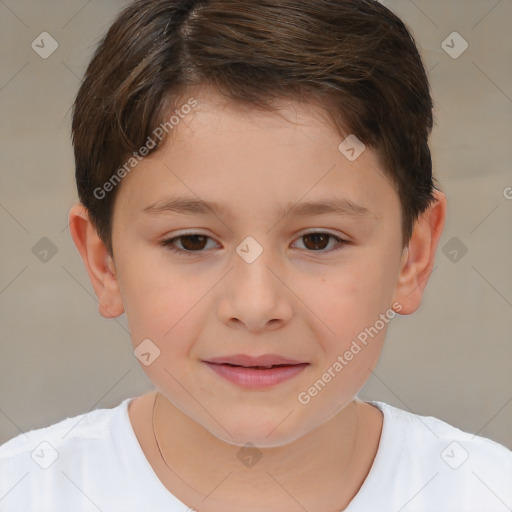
225, 153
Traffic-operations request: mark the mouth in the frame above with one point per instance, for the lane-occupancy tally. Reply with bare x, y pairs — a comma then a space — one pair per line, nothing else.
257, 367
247, 373
263, 361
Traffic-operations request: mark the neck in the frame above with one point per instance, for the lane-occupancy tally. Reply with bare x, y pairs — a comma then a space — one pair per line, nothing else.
310, 469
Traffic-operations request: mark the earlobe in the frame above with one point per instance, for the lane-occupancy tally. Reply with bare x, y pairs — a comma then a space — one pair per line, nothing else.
97, 261
419, 257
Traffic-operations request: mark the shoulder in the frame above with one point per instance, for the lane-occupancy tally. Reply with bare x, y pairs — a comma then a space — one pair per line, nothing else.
429, 431
431, 437
56, 461
89, 426
454, 469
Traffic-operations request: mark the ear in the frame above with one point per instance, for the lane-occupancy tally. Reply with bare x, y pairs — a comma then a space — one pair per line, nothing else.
98, 263
419, 256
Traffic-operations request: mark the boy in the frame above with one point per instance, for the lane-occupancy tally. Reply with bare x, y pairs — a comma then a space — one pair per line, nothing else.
257, 195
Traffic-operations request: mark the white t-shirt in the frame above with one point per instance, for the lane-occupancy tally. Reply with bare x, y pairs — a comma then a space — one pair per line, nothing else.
93, 462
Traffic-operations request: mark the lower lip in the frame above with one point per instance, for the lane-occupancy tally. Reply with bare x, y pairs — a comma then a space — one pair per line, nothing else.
254, 378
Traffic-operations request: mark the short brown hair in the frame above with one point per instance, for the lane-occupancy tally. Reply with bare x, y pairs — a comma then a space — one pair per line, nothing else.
354, 58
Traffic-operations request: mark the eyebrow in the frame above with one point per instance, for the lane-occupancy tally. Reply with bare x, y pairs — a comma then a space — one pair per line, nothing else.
191, 206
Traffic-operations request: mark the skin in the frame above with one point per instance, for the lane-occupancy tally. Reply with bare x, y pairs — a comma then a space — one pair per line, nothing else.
293, 300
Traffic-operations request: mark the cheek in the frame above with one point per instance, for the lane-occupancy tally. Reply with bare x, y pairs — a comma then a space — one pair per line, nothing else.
349, 302
163, 321
349, 296
155, 299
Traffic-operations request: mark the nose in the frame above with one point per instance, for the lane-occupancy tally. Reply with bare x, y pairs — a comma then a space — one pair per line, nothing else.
255, 296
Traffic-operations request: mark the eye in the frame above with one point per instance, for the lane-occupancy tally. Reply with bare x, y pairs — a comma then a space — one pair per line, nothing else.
316, 241
191, 243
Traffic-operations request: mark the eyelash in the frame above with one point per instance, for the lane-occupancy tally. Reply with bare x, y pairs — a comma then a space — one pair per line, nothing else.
168, 243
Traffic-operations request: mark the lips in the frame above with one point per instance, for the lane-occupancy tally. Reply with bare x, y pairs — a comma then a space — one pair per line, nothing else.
265, 361
256, 373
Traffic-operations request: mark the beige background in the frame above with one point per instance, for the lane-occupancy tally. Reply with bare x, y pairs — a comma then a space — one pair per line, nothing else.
451, 359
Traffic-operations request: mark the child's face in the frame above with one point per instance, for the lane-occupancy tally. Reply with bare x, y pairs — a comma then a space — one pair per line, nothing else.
300, 298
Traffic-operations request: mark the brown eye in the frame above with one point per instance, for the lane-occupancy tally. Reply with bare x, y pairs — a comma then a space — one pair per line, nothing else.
319, 242
194, 243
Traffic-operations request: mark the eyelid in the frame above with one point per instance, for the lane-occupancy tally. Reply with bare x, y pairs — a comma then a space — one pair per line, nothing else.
302, 233
319, 230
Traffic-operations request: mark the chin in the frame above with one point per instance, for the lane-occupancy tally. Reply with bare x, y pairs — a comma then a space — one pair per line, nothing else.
261, 435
